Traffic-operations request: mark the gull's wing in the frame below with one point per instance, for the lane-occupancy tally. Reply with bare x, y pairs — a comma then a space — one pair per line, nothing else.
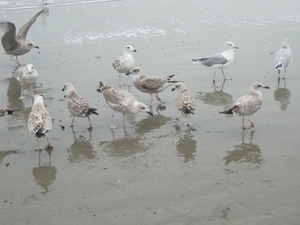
8, 31
23, 31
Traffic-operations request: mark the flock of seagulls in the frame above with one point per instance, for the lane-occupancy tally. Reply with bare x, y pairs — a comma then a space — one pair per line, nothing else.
122, 101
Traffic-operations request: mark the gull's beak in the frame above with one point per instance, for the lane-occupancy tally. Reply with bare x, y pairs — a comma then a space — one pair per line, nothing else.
127, 74
266, 87
36, 47
173, 89
237, 47
134, 50
150, 113
63, 89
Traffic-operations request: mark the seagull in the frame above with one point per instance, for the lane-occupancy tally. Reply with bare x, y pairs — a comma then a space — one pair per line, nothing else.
123, 64
6, 111
185, 102
39, 120
13, 44
25, 75
219, 60
248, 104
150, 84
283, 58
121, 101
77, 105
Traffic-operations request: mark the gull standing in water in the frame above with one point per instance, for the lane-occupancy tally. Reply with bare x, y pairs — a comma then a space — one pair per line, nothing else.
248, 104
150, 84
121, 101
13, 44
124, 63
283, 58
25, 75
185, 102
220, 60
39, 120
77, 105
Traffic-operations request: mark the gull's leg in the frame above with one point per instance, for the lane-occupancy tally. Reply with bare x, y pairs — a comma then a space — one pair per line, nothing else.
90, 125
284, 76
129, 84
189, 123
158, 98
244, 128
124, 121
72, 123
48, 145
16, 60
225, 78
214, 80
150, 105
112, 126
252, 124
39, 148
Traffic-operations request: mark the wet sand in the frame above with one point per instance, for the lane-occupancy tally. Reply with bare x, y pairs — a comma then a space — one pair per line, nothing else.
157, 171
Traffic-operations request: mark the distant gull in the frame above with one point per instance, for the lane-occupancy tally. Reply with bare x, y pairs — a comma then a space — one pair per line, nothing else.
283, 58
25, 75
121, 101
248, 104
124, 63
77, 105
39, 120
219, 60
16, 45
6, 111
185, 102
150, 84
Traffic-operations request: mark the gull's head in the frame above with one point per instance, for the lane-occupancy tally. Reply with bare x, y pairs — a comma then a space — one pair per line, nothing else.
38, 99
285, 43
141, 107
31, 45
134, 71
179, 86
230, 45
30, 68
256, 86
68, 87
129, 48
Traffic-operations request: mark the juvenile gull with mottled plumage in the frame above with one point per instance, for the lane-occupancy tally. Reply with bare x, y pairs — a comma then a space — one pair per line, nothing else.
150, 84
248, 104
219, 60
124, 63
13, 44
283, 58
121, 101
185, 102
77, 105
25, 75
39, 120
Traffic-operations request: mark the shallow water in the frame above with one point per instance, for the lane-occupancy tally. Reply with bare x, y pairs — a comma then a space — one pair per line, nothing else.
156, 171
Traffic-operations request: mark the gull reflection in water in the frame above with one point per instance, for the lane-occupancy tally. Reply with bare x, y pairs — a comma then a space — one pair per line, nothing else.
44, 174
245, 152
81, 149
282, 95
125, 146
216, 98
186, 145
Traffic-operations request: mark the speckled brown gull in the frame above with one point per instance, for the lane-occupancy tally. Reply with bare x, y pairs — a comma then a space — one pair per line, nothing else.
6, 111
247, 104
283, 58
39, 120
25, 75
13, 44
185, 102
150, 84
77, 105
220, 60
124, 63
121, 101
